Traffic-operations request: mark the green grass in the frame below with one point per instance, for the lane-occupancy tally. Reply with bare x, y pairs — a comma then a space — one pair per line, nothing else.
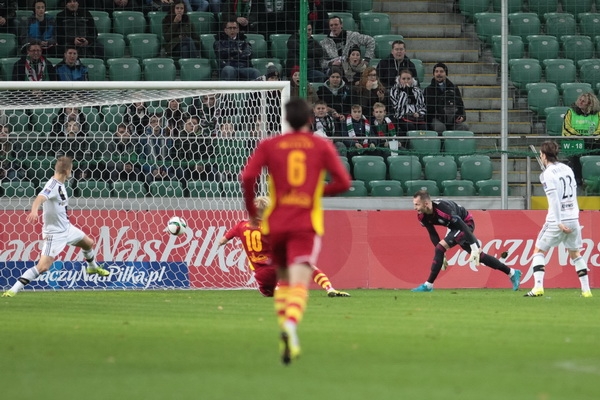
379, 344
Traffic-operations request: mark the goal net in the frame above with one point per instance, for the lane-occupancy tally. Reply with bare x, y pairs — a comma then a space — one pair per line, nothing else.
143, 152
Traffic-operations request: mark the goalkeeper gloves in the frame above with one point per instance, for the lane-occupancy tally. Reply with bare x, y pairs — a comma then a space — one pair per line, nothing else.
474, 254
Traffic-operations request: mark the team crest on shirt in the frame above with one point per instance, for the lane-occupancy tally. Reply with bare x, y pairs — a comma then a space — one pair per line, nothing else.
46, 192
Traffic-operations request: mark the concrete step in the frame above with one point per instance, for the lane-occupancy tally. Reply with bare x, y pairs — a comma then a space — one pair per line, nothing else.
493, 116
480, 91
464, 68
414, 6
489, 128
448, 55
418, 30
442, 44
409, 18
482, 103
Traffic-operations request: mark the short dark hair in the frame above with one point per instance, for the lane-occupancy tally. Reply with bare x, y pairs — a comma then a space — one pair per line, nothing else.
440, 65
422, 194
550, 149
298, 113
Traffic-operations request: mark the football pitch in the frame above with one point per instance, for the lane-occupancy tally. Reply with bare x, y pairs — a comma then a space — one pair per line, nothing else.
462, 344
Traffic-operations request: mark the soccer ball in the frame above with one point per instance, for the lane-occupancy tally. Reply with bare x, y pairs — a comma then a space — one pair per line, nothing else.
176, 226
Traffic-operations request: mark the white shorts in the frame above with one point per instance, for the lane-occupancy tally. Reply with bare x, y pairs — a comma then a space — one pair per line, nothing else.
56, 242
551, 236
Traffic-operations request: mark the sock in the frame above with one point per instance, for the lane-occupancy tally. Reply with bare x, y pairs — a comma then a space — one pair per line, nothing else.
296, 304
582, 269
89, 256
321, 279
493, 263
280, 297
436, 264
27, 277
538, 263
429, 285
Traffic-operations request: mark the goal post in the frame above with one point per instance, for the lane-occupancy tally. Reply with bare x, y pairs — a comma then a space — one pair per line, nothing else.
125, 187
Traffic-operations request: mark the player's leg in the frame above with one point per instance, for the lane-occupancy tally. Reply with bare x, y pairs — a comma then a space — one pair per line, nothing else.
439, 256
43, 265
547, 238
490, 261
573, 243
266, 277
78, 239
321, 279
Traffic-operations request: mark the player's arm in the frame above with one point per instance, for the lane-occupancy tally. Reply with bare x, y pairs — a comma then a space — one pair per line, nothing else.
35, 207
340, 179
553, 204
458, 223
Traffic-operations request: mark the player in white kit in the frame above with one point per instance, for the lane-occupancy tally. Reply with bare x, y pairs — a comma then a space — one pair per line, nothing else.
562, 221
57, 231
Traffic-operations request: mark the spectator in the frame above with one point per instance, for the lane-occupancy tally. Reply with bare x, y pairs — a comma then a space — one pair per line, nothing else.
356, 129
156, 143
123, 149
389, 68
71, 68
445, 108
314, 56
243, 12
8, 13
338, 43
137, 117
583, 120
192, 144
180, 38
173, 117
70, 128
353, 66
5, 144
158, 5
33, 66
408, 103
336, 94
40, 27
129, 172
76, 27
206, 112
68, 114
311, 95
199, 172
382, 126
369, 90
234, 53
326, 126
111, 6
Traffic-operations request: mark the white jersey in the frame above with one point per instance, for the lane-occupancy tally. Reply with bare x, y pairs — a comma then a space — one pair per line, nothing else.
55, 208
559, 184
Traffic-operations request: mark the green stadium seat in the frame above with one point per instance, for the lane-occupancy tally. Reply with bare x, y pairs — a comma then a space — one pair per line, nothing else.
102, 21
155, 19
93, 118
422, 184
357, 189
516, 48
231, 189
386, 188
359, 6
476, 169
203, 189
195, 69
95, 189
440, 169
368, 169
430, 144
383, 45
555, 117
96, 68
590, 73
143, 45
524, 24
114, 45
560, 24
40, 168
166, 189
128, 22
559, 71
159, 69
404, 168
469, 8
589, 24
374, 24
124, 69
542, 7
590, 173
43, 120
572, 90
18, 121
128, 190
203, 21
261, 64
513, 6
487, 25
577, 7
457, 187
542, 95
18, 189
543, 47
420, 69
577, 47
489, 187
347, 18
259, 45
113, 116
22, 16
8, 45
459, 143
319, 36
6, 67
523, 71
278, 43
207, 49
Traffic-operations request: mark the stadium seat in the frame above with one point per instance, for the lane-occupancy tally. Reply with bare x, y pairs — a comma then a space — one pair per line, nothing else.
357, 189
113, 116
572, 90
261, 64
540, 96
430, 144
143, 45
159, 69
420, 69
439, 170
18, 121
368, 169
359, 6
469, 8
22, 16
513, 6
18, 189
542, 7
279, 45
456, 146
555, 117
559, 71
114, 45
590, 173
516, 48
577, 47
524, 24
128, 22
40, 169
590, 73
231, 189
347, 20
404, 168
166, 189
476, 169
487, 25
207, 49
543, 47
589, 24
319, 36
203, 21
43, 120
523, 71
96, 68
102, 21
383, 44
457, 187
489, 187
560, 24
203, 189
259, 45
95, 189
8, 45
374, 24
128, 190
94, 119
155, 19
124, 69
195, 69
6, 67
577, 7
386, 188
422, 184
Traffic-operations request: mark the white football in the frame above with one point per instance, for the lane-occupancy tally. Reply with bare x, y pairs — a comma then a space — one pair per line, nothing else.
176, 226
